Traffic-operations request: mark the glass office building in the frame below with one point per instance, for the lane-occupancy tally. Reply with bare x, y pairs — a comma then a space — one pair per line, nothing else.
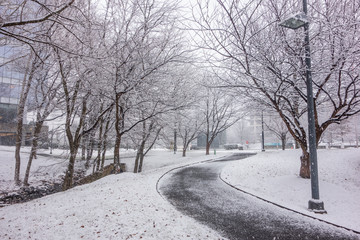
12, 67
10, 90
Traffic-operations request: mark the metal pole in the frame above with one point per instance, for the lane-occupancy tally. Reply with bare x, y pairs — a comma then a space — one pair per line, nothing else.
314, 204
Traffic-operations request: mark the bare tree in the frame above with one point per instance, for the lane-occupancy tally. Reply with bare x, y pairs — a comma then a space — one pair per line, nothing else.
28, 21
32, 65
137, 52
220, 111
266, 64
148, 136
189, 125
45, 92
278, 127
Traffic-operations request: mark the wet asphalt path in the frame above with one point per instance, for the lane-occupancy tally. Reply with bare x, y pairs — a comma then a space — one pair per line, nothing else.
197, 191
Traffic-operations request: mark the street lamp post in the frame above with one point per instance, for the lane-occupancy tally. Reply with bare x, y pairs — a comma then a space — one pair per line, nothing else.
300, 20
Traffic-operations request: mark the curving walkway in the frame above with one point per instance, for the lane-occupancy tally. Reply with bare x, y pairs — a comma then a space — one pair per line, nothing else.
197, 191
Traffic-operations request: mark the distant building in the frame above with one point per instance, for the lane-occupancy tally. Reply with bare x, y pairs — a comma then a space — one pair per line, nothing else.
249, 129
10, 90
219, 140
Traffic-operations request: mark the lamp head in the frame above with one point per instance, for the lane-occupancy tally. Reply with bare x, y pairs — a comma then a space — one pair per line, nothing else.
296, 21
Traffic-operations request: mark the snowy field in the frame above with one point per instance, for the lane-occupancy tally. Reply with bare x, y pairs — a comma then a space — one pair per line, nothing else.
274, 175
128, 206
123, 206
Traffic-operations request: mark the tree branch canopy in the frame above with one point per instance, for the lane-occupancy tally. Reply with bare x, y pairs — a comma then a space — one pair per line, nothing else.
38, 20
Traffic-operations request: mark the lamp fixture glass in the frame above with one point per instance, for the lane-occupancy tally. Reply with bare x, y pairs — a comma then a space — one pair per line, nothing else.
296, 21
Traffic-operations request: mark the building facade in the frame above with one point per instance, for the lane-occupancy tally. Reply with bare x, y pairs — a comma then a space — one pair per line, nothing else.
11, 78
10, 90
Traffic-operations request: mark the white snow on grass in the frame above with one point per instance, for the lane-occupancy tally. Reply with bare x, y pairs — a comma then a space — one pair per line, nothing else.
128, 206
274, 175
122, 206
43, 168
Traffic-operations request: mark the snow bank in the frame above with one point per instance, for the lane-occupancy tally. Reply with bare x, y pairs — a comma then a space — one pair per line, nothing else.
123, 206
127, 206
273, 175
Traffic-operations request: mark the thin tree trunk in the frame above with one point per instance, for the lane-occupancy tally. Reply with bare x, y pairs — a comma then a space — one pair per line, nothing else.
98, 162
68, 180
185, 147
94, 164
117, 151
141, 160
119, 122
103, 156
20, 115
140, 151
90, 149
74, 144
83, 148
283, 142
37, 132
27, 173
51, 141
185, 144
17, 154
100, 140
207, 148
104, 144
305, 162
141, 154
136, 166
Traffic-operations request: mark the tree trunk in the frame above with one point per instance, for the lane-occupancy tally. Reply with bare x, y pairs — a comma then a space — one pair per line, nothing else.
37, 131
117, 151
208, 148
119, 123
136, 166
17, 154
142, 150
184, 152
74, 144
283, 142
305, 165
103, 156
99, 146
83, 147
68, 180
90, 149
27, 173
186, 145
104, 144
139, 157
141, 160
26, 84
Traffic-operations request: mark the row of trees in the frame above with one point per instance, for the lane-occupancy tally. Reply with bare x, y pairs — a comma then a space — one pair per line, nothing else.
125, 69
118, 69
265, 63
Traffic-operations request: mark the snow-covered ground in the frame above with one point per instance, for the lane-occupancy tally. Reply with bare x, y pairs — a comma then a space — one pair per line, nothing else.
43, 168
128, 206
122, 206
274, 175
